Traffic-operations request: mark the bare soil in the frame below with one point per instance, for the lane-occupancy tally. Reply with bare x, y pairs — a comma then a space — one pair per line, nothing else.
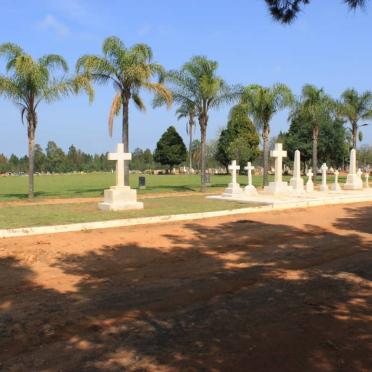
280, 291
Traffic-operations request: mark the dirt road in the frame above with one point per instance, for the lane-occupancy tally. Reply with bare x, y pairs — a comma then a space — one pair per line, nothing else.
280, 291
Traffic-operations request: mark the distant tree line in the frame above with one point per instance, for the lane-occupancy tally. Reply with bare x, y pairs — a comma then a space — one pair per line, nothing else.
55, 160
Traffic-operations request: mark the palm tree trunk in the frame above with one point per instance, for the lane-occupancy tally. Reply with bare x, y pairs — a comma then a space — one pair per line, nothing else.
203, 130
315, 152
265, 137
31, 146
125, 136
190, 144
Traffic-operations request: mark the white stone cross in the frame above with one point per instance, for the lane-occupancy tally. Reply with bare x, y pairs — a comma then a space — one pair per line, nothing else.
120, 156
249, 168
309, 183
324, 169
359, 173
336, 173
233, 168
278, 153
336, 187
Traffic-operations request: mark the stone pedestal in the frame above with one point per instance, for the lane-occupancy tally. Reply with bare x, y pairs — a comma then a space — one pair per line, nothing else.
297, 184
233, 190
250, 190
120, 198
278, 188
353, 182
336, 187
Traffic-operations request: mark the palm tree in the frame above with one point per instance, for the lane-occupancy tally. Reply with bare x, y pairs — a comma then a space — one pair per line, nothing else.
30, 82
353, 108
129, 69
188, 111
198, 85
285, 11
314, 107
262, 104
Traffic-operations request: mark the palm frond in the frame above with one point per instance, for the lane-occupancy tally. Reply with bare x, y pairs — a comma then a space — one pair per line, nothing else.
114, 111
52, 61
138, 102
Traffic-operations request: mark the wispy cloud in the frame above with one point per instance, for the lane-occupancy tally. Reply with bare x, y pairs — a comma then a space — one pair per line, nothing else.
50, 23
71, 8
144, 30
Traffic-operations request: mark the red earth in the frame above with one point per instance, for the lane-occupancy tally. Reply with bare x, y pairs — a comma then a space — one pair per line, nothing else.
280, 291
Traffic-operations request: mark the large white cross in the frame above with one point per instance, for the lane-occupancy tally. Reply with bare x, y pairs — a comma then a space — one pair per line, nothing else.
120, 156
249, 168
233, 168
278, 154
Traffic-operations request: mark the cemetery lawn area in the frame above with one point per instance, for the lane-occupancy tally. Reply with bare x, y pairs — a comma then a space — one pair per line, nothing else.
13, 215
280, 291
92, 184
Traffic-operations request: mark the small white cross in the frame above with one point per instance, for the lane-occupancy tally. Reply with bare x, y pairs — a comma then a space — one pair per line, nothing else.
310, 173
249, 168
120, 156
278, 154
359, 173
336, 173
233, 168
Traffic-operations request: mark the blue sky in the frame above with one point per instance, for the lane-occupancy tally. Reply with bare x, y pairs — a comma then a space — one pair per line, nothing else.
328, 46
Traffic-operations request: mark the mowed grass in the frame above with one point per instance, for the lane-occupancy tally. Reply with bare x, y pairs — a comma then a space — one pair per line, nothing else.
13, 216
93, 184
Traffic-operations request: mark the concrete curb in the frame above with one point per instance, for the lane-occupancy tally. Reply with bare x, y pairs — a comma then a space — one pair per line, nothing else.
27, 231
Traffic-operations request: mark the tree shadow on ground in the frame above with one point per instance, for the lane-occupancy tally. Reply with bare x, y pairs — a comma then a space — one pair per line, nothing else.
236, 296
358, 219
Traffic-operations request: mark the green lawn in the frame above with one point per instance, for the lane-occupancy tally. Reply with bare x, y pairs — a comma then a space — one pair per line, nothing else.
93, 184
12, 216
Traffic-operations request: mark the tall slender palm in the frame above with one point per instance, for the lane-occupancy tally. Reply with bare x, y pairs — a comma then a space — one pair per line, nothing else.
355, 107
29, 82
188, 111
262, 104
314, 107
129, 69
197, 84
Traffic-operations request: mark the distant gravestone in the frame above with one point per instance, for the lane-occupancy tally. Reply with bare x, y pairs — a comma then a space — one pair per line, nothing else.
296, 181
353, 181
142, 182
309, 183
324, 186
233, 188
336, 187
249, 189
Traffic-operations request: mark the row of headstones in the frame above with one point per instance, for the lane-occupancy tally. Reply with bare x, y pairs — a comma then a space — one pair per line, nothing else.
353, 182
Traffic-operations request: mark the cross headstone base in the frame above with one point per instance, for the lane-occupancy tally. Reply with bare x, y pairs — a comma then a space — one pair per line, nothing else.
335, 187
250, 190
278, 188
353, 182
120, 198
233, 189
323, 188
